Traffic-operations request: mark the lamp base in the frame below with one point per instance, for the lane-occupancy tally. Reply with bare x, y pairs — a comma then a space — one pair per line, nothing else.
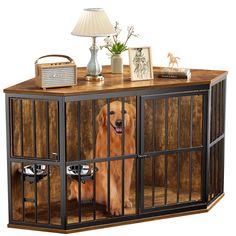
94, 78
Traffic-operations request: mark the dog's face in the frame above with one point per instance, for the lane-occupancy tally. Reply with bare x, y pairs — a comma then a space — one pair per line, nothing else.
116, 122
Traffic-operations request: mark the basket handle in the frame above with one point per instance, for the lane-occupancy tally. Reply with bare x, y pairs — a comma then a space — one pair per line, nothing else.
55, 55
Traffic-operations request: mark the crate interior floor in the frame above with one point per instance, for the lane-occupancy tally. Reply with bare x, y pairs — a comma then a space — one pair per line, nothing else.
87, 209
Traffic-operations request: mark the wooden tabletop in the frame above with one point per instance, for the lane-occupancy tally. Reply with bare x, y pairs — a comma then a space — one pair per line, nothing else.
116, 82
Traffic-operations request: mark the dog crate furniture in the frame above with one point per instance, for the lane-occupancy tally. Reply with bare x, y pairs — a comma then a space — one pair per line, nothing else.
177, 162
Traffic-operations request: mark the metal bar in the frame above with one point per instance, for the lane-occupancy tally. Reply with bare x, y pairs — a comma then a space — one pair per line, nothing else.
10, 110
190, 175
153, 125
34, 161
166, 147
153, 181
217, 110
217, 140
21, 129
49, 194
9, 143
191, 144
211, 175
22, 166
99, 160
191, 121
222, 164
178, 91
108, 156
141, 161
223, 141
215, 154
94, 156
123, 153
79, 158
35, 196
35, 97
58, 132
138, 150
154, 148
213, 115
202, 164
178, 144
173, 92
182, 207
48, 157
62, 154
47, 130
219, 168
79, 198
142, 184
78, 129
221, 106
174, 151
23, 192
56, 162
224, 103
206, 143
34, 128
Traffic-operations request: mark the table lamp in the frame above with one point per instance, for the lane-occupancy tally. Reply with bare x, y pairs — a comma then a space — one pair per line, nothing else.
94, 23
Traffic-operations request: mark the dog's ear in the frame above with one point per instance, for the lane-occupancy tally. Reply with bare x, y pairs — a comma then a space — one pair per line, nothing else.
101, 117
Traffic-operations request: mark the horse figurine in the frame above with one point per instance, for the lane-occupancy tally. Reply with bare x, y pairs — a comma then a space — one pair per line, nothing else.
172, 60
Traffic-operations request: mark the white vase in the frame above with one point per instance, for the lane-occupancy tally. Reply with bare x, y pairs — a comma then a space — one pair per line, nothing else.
116, 64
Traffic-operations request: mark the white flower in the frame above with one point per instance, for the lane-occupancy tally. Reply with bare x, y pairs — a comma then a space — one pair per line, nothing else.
116, 46
108, 41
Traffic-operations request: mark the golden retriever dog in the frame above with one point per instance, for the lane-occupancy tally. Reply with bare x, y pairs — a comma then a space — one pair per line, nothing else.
116, 124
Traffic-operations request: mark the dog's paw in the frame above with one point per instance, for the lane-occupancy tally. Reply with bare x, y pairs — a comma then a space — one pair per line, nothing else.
128, 204
115, 211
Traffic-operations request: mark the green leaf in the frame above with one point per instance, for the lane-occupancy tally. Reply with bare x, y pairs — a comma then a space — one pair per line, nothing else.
118, 48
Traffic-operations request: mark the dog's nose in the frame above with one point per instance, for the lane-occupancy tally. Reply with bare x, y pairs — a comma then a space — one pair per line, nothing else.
119, 123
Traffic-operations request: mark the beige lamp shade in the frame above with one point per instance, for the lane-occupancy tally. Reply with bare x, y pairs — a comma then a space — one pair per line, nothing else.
93, 23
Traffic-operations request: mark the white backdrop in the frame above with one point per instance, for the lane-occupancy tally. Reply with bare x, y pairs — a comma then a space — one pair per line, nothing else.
201, 32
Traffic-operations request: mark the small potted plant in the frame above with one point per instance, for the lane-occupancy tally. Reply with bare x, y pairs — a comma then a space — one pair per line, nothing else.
116, 47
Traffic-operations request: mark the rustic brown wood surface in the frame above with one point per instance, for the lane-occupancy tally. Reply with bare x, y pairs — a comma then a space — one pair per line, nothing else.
116, 82
101, 213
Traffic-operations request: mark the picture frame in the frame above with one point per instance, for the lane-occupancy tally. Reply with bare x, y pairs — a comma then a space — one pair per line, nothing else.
140, 61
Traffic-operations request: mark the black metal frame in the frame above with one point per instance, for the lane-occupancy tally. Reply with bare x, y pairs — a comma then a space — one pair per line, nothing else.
141, 96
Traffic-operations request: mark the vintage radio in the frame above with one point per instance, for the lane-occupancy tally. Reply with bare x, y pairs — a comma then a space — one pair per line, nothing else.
58, 74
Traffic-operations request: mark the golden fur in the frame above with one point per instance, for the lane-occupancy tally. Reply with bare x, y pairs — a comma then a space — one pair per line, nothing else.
115, 166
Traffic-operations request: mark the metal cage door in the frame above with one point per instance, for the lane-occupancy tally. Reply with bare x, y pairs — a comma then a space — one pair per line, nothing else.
173, 145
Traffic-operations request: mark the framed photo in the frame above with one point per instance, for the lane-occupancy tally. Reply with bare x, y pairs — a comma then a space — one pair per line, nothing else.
140, 62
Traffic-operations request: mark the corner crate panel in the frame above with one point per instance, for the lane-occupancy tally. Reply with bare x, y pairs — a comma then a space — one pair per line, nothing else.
104, 154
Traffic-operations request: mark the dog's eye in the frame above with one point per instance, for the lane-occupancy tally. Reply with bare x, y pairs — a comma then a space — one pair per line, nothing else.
125, 111
112, 112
